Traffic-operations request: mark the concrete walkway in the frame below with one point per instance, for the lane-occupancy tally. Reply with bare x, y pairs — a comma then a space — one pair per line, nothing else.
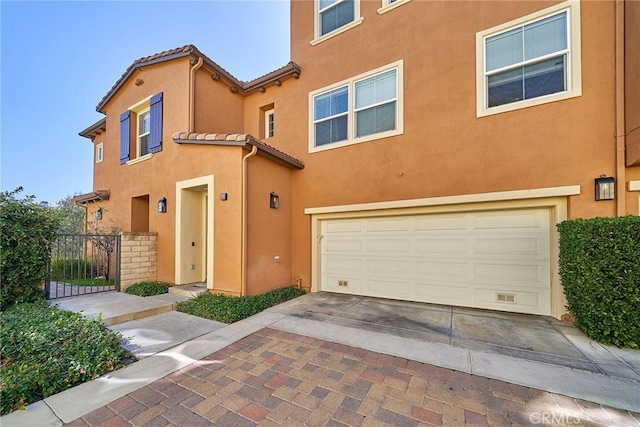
341, 360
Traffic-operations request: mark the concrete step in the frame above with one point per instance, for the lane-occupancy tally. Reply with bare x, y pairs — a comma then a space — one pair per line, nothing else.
117, 307
190, 291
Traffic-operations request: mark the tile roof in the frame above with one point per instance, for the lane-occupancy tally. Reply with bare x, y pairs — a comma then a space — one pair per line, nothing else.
94, 196
289, 70
237, 139
95, 129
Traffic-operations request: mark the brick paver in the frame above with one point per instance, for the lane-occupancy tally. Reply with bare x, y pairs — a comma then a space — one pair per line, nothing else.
273, 378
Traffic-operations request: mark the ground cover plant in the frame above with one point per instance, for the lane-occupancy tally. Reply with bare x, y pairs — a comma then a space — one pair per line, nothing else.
600, 271
228, 309
45, 350
146, 289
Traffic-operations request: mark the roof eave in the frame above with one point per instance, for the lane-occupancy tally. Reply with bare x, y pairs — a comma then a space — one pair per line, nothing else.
95, 129
94, 196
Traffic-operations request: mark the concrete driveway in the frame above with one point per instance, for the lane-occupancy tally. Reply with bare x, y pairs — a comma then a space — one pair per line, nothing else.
326, 359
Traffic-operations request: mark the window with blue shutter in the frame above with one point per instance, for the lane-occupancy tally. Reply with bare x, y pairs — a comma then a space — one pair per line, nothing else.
155, 138
146, 135
125, 135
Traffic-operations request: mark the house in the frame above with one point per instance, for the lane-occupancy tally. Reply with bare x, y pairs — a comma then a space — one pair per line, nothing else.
411, 150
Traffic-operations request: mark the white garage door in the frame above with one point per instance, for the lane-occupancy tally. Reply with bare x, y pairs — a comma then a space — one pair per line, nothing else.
496, 260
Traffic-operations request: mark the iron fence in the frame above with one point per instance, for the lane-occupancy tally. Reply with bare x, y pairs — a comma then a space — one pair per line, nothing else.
83, 264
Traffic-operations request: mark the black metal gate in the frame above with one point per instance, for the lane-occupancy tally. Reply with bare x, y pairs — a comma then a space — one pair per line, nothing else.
83, 264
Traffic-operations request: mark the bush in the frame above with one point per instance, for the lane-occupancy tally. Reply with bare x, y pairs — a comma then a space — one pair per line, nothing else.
27, 231
600, 271
147, 289
227, 309
46, 350
72, 269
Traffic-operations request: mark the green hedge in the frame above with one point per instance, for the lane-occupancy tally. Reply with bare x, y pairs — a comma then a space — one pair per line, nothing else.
46, 350
27, 231
227, 309
600, 271
147, 289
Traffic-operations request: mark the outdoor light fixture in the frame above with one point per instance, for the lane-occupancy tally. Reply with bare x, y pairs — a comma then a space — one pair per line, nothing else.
605, 188
162, 205
98, 214
274, 201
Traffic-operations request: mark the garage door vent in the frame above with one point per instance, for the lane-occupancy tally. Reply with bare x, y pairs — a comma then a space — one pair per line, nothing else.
506, 298
343, 283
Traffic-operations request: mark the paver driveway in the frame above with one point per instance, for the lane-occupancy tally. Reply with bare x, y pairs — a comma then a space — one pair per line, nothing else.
274, 378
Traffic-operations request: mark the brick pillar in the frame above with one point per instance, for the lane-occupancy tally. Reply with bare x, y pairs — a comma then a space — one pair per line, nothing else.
138, 258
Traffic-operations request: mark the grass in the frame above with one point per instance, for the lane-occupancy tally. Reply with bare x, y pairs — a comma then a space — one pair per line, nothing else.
45, 350
146, 289
227, 309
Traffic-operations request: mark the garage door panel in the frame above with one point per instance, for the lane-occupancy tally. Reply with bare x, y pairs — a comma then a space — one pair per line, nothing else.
441, 222
441, 246
442, 294
389, 288
387, 225
508, 220
343, 226
443, 270
508, 273
396, 267
391, 246
343, 265
508, 246
491, 259
344, 245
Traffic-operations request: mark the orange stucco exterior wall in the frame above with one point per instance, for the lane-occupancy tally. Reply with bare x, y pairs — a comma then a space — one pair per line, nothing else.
444, 149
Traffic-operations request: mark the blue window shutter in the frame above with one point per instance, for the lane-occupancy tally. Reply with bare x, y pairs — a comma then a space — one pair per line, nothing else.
155, 137
125, 136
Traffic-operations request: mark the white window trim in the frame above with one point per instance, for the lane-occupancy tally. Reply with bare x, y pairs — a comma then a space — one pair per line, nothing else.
99, 152
357, 20
351, 138
574, 71
138, 134
140, 159
266, 123
386, 6
139, 107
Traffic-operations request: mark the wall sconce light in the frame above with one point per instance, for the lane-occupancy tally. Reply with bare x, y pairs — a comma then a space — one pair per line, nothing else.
605, 188
274, 201
224, 197
162, 205
98, 214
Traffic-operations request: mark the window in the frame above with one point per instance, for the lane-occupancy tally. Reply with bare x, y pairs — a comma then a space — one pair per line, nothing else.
99, 152
363, 108
147, 136
530, 61
334, 17
388, 5
269, 123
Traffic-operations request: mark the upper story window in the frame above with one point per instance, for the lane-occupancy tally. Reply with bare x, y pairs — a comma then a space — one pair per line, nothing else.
360, 109
530, 61
388, 5
269, 123
334, 17
99, 152
146, 139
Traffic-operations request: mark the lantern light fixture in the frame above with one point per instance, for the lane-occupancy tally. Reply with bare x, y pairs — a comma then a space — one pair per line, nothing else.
605, 188
162, 205
274, 201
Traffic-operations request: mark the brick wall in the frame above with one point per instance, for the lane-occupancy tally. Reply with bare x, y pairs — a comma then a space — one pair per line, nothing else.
139, 258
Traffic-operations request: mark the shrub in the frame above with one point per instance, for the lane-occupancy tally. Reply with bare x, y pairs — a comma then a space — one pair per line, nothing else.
72, 269
600, 271
27, 231
146, 289
46, 350
227, 309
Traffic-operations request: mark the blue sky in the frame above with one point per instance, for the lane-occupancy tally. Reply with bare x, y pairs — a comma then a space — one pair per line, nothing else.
59, 59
